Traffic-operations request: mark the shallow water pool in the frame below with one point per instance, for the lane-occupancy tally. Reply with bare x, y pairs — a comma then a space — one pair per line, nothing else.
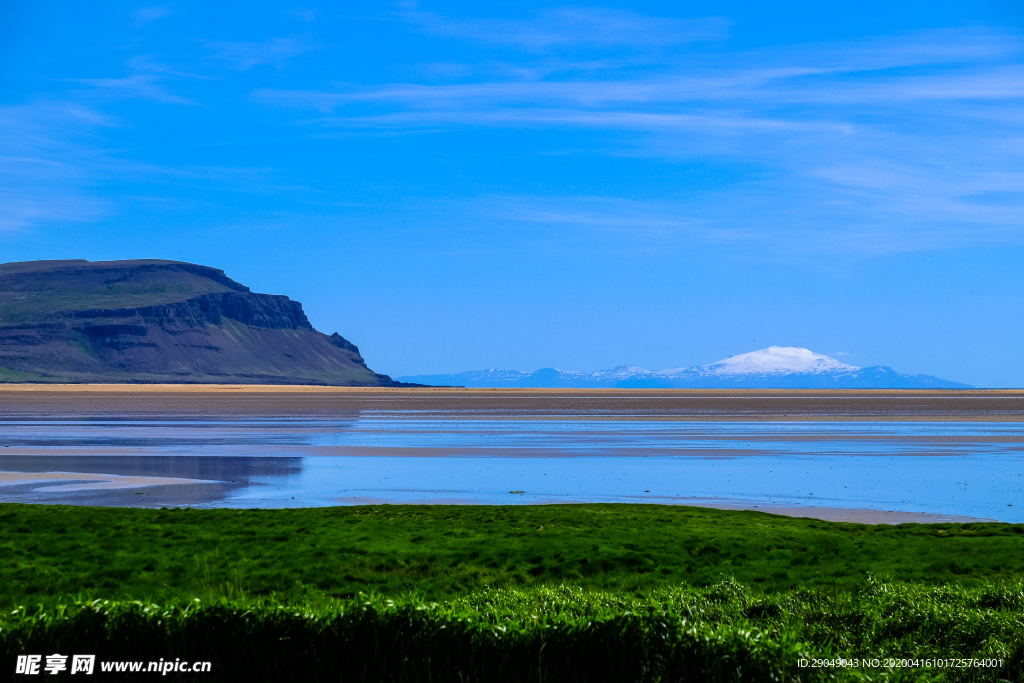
947, 469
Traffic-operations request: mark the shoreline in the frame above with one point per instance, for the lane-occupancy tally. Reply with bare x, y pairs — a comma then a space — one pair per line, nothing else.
319, 388
85, 481
231, 401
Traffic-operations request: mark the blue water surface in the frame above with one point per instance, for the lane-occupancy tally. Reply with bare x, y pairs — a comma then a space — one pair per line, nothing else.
953, 468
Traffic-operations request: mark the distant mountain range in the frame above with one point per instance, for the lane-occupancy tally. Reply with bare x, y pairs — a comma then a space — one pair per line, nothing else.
776, 367
161, 321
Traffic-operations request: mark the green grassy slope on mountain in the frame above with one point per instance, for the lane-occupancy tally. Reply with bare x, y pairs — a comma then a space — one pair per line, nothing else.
33, 293
160, 321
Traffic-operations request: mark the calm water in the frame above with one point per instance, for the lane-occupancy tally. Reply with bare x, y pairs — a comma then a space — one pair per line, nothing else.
970, 469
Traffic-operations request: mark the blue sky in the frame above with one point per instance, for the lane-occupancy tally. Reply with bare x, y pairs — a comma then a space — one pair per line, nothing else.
459, 186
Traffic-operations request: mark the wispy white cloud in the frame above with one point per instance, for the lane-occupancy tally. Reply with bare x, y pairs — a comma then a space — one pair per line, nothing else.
573, 26
799, 222
937, 199
603, 213
147, 79
54, 168
244, 56
975, 66
941, 46
303, 14
728, 124
44, 170
144, 15
909, 142
18, 211
141, 85
989, 82
147, 64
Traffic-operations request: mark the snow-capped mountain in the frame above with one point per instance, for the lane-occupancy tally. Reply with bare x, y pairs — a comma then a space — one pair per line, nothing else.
783, 367
776, 359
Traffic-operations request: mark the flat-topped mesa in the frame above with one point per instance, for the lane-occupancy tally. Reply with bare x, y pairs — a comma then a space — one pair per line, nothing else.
161, 321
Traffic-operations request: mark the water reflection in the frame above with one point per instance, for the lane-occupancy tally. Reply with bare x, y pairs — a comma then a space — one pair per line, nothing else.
971, 469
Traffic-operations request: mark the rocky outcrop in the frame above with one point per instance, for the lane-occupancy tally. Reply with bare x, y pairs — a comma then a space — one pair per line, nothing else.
124, 274
161, 321
269, 311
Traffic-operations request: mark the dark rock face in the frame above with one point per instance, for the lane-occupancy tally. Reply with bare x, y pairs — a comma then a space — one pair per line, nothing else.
343, 343
161, 321
257, 310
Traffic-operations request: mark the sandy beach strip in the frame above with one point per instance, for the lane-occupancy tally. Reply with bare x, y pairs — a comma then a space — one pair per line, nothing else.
857, 516
828, 514
175, 401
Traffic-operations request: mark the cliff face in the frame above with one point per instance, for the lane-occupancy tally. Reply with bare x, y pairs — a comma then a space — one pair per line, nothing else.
161, 321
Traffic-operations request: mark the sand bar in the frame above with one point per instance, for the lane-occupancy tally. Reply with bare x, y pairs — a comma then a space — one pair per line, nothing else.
98, 481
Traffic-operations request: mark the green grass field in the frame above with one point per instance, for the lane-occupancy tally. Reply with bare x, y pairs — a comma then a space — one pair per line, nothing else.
725, 632
511, 593
445, 551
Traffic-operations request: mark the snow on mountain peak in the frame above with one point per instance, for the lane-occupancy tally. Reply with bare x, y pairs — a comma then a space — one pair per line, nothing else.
776, 359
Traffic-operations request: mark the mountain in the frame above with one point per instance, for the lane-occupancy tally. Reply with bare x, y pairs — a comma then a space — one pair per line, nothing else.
161, 321
775, 367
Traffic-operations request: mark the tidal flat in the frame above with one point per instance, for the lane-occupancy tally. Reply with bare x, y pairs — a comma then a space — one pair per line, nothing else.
868, 456
202, 401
